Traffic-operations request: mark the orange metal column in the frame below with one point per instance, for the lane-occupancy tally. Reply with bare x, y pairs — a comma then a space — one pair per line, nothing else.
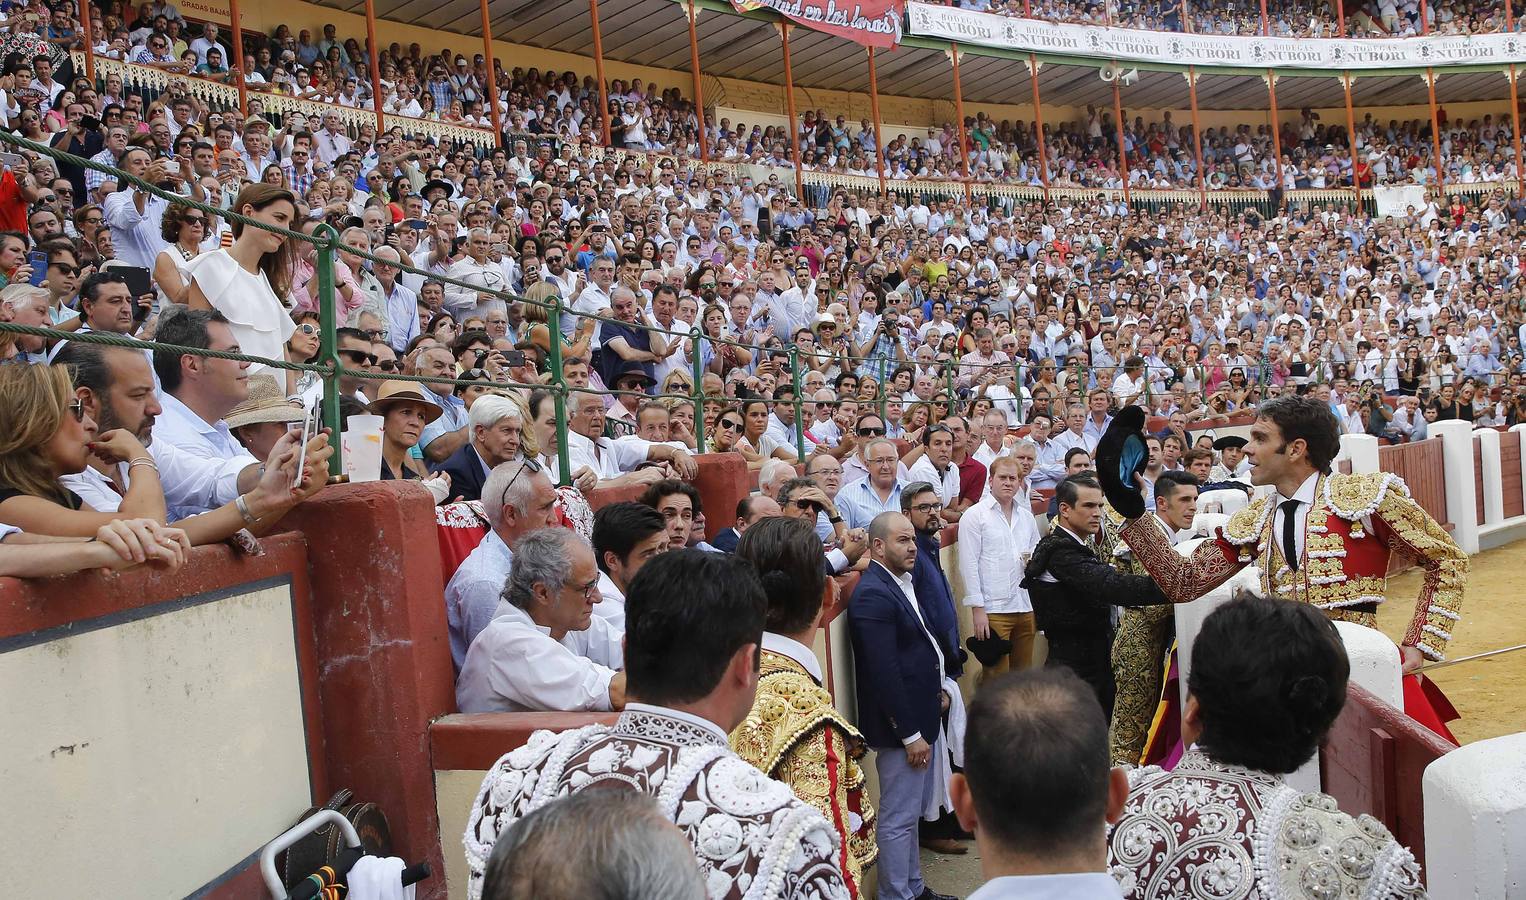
699, 93
1197, 137
598, 70
373, 51
1123, 155
491, 87
1038, 124
1271, 92
789, 105
1347, 79
960, 134
88, 37
1430, 87
238, 56
1515, 108
879, 137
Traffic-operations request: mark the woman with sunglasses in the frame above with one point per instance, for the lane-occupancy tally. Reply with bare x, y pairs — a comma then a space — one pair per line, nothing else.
50, 436
302, 347
725, 437
184, 231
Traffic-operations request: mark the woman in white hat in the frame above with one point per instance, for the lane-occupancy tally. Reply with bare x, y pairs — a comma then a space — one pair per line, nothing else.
259, 421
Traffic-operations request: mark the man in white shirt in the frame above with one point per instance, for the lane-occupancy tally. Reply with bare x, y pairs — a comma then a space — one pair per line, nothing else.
615, 462
545, 650
331, 142
994, 429
995, 539
782, 428
625, 536
1031, 846
1049, 466
197, 392
133, 215
517, 498
1075, 435
937, 468
593, 297
1129, 386
824, 428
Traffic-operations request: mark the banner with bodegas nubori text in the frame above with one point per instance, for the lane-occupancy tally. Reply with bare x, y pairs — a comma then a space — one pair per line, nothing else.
873, 23
986, 29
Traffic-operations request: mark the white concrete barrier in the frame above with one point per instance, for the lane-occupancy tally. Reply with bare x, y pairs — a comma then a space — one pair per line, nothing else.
1475, 821
1521, 430
1457, 465
1489, 464
1362, 450
1227, 501
1374, 662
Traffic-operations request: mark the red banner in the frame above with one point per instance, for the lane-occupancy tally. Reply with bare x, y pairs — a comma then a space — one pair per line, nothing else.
873, 23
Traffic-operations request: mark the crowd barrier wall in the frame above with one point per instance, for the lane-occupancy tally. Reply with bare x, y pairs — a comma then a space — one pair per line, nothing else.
207, 709
159, 728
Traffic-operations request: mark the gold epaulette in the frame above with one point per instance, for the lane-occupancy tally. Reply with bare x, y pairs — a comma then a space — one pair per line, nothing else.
790, 705
1245, 526
1114, 518
1354, 497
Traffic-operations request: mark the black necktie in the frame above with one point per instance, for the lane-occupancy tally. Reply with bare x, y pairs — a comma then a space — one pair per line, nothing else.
1289, 542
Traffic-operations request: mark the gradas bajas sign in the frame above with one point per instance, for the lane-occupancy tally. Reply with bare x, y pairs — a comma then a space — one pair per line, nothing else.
988, 30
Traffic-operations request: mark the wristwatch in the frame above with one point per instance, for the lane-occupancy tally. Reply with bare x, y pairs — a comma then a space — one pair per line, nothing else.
835, 520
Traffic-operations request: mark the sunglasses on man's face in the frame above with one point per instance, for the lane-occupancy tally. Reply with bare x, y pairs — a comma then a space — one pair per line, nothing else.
359, 357
871, 432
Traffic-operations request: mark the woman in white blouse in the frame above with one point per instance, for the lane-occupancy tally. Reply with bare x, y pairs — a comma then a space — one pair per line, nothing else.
246, 282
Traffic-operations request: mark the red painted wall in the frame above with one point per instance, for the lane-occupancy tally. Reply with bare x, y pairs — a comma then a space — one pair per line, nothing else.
384, 651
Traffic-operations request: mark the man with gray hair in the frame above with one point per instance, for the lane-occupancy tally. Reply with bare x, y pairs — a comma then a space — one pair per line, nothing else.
517, 498
866, 498
613, 843
400, 304
545, 649
773, 474
494, 425
372, 300
27, 305
476, 268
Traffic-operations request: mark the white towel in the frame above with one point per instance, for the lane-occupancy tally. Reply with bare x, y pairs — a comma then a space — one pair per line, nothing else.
378, 878
949, 749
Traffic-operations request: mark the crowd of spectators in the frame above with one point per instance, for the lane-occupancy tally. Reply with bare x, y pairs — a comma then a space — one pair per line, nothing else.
904, 311
920, 361
551, 114
1284, 18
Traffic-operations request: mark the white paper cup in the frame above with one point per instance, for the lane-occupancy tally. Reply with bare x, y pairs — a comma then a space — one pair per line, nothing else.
363, 448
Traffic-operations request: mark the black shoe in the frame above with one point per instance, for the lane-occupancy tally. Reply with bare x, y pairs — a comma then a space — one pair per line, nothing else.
930, 894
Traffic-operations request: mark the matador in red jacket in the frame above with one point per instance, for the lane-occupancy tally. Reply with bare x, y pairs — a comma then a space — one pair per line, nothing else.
1321, 538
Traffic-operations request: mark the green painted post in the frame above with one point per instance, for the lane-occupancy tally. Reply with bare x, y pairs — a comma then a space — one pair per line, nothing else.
328, 327
559, 391
794, 364
698, 390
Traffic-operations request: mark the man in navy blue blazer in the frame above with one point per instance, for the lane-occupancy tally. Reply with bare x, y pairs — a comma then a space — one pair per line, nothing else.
495, 424
900, 700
